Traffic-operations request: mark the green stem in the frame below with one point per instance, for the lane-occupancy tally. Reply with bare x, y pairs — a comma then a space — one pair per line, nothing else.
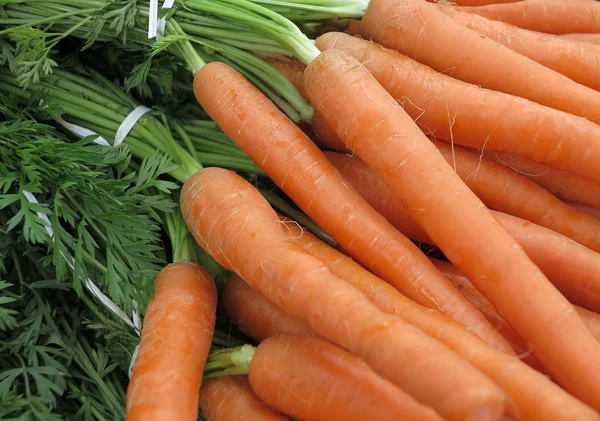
313, 10
227, 362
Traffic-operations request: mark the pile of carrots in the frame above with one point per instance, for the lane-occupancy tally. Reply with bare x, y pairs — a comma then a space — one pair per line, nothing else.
471, 130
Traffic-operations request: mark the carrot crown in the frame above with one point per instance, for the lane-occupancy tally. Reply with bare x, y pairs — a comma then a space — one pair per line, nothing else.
229, 362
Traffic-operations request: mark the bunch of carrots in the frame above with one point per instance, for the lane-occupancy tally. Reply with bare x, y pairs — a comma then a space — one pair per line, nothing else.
467, 131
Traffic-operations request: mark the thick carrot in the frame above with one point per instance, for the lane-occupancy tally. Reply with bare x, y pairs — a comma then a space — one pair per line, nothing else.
175, 341
290, 68
230, 398
591, 321
233, 222
452, 110
376, 127
300, 169
572, 268
314, 380
576, 60
590, 38
422, 31
256, 316
533, 395
549, 16
595, 212
561, 183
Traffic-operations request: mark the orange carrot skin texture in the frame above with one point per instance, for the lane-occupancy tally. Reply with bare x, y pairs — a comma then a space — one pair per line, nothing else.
175, 341
590, 210
425, 33
591, 321
573, 269
373, 125
233, 223
231, 398
578, 61
505, 190
589, 38
533, 395
256, 316
314, 380
561, 183
477, 2
549, 16
452, 110
300, 169
291, 69
325, 135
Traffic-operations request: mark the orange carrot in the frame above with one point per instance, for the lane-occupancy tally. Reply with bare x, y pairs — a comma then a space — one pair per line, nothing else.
233, 223
175, 341
563, 184
230, 398
353, 27
595, 212
590, 38
473, 2
290, 68
452, 110
577, 61
550, 16
300, 169
572, 268
422, 31
256, 316
376, 127
314, 380
533, 396
591, 321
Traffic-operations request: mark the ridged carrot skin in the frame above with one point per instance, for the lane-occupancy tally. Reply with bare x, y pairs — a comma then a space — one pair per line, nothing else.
230, 398
175, 341
589, 38
300, 169
233, 222
591, 321
255, 315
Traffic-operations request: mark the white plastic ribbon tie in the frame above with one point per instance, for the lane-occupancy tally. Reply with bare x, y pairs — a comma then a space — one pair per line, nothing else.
127, 124
81, 131
156, 26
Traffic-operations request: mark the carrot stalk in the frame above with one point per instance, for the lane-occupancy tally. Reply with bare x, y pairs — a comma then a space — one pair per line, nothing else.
376, 127
232, 222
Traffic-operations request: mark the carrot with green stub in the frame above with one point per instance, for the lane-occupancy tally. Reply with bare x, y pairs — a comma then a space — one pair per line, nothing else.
300, 169
549, 16
452, 111
228, 398
232, 221
376, 128
175, 341
532, 396
425, 33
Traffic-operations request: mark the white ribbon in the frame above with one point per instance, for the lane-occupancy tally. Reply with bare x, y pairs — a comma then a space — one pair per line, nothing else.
127, 124
156, 26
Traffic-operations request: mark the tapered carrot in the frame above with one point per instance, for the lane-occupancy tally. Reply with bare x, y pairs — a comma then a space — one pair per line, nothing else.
452, 110
590, 210
550, 16
353, 27
230, 398
590, 38
533, 396
376, 127
233, 223
591, 321
561, 183
315, 380
572, 268
422, 31
256, 316
578, 61
175, 341
299, 168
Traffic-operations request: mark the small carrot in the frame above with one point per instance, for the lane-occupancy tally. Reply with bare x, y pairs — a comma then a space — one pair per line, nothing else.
353, 27
230, 398
256, 316
578, 61
290, 68
590, 38
376, 128
300, 169
572, 268
532, 395
425, 33
175, 341
232, 221
591, 321
549, 16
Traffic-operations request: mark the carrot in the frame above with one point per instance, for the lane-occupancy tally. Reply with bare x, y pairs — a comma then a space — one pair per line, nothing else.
300, 169
233, 223
561, 183
572, 268
175, 341
533, 396
425, 33
353, 27
473, 2
595, 212
290, 68
231, 398
550, 16
577, 61
590, 38
591, 321
374, 125
256, 316
452, 110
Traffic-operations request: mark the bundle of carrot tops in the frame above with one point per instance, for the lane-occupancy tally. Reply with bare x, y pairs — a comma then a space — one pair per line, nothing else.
304, 210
